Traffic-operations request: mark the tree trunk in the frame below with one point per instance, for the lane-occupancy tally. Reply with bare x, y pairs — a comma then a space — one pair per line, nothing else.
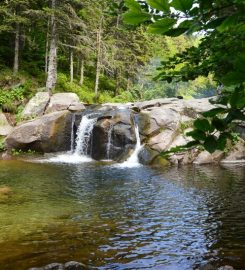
128, 84
71, 66
117, 83
16, 49
47, 48
52, 63
98, 64
82, 72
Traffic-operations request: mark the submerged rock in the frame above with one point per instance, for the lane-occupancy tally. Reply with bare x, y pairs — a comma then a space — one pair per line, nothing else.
49, 133
72, 265
5, 193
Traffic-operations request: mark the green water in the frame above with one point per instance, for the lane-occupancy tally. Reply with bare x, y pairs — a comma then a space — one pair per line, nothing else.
122, 218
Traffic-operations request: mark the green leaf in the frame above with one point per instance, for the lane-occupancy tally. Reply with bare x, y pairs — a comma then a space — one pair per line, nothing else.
221, 142
210, 144
219, 124
161, 26
228, 22
214, 112
197, 134
161, 5
175, 32
182, 5
133, 5
135, 18
237, 98
202, 124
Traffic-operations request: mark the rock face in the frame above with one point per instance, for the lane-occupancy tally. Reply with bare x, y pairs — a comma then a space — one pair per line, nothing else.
5, 127
49, 133
36, 106
113, 135
62, 101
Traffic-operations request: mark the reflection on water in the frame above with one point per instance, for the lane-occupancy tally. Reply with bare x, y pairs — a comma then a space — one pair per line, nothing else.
122, 218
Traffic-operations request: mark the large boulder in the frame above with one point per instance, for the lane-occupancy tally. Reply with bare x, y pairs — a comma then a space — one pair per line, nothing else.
147, 155
160, 126
236, 154
62, 101
5, 127
36, 105
206, 157
113, 136
49, 133
154, 103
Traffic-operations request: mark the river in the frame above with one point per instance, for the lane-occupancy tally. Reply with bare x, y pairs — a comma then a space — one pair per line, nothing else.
112, 217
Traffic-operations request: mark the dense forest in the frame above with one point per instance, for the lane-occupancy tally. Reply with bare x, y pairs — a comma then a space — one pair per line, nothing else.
84, 47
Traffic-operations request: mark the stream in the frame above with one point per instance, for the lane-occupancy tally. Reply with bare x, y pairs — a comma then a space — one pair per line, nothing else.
116, 217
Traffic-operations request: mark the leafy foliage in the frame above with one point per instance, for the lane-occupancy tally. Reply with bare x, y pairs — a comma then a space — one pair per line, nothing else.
221, 53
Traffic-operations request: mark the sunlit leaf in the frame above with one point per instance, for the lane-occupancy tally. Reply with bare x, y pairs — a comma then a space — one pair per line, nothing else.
135, 18
182, 5
161, 26
161, 5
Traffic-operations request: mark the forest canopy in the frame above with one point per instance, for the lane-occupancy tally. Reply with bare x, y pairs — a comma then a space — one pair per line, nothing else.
84, 47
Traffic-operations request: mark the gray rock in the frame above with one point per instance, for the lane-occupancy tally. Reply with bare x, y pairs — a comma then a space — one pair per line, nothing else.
154, 103
193, 107
162, 141
206, 158
62, 101
147, 125
54, 266
5, 127
36, 105
166, 118
78, 107
74, 266
226, 267
147, 155
49, 133
236, 154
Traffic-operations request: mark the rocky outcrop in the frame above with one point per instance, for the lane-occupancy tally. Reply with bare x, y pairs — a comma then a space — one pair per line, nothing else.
49, 133
113, 136
162, 125
42, 104
5, 127
36, 105
62, 101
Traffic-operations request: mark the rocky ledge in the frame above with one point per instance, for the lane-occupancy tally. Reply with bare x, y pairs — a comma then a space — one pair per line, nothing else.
162, 125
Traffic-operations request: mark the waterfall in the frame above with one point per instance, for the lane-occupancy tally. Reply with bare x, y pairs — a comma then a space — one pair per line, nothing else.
133, 160
79, 148
108, 147
72, 132
83, 135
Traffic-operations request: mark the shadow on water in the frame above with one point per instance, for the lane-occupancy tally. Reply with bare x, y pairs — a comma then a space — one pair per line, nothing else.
122, 218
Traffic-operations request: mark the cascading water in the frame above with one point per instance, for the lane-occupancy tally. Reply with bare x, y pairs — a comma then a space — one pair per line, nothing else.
108, 148
79, 148
133, 160
72, 132
83, 135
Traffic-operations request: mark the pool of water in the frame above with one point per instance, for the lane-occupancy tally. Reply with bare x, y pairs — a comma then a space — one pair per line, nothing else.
112, 217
